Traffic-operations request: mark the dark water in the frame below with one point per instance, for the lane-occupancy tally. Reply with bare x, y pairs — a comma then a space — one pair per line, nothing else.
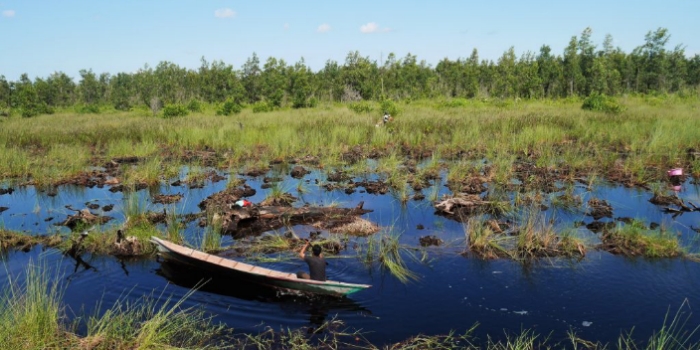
598, 297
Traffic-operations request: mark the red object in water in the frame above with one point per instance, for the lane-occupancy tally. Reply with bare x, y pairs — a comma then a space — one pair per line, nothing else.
243, 203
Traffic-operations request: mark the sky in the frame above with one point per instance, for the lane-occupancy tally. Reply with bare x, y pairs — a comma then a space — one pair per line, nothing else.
47, 36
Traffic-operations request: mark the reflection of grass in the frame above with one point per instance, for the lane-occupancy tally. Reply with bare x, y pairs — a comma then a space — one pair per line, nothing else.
635, 239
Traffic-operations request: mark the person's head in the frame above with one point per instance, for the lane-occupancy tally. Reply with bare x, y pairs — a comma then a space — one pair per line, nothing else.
316, 249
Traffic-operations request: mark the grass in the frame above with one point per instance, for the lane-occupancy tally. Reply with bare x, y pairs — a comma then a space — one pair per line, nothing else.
548, 134
635, 239
675, 334
482, 240
32, 317
385, 251
537, 238
531, 238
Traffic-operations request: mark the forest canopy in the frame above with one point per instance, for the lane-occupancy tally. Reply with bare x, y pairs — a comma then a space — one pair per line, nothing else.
581, 70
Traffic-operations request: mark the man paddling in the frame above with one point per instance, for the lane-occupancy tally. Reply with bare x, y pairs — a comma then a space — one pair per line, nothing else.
316, 262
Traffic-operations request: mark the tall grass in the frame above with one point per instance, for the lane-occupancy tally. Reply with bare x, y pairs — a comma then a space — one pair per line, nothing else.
553, 134
32, 317
384, 250
31, 314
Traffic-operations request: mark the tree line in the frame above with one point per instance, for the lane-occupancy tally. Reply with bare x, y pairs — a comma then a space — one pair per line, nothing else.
581, 70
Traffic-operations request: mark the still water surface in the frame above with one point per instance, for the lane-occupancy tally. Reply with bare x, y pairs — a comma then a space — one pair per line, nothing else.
599, 297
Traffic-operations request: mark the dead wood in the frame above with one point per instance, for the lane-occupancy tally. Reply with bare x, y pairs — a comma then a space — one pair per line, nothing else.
468, 202
246, 221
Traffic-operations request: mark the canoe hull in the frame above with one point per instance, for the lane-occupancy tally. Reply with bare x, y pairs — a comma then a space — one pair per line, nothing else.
212, 265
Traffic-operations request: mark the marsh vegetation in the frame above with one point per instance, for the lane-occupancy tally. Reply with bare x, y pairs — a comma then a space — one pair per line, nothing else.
564, 168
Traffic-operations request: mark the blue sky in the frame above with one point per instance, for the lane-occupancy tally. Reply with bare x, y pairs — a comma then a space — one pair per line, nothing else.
41, 37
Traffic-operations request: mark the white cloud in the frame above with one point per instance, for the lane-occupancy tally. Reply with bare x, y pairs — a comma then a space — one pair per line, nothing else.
323, 28
8, 13
370, 27
224, 13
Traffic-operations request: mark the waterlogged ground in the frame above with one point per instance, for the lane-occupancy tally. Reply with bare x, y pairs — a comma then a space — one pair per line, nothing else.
598, 297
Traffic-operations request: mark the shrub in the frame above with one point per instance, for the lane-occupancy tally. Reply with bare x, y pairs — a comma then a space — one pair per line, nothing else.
360, 107
28, 112
84, 109
175, 110
122, 105
194, 106
312, 102
229, 107
262, 107
455, 103
389, 106
601, 103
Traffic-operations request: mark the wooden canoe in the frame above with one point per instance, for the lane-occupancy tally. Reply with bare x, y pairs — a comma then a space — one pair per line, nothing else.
239, 271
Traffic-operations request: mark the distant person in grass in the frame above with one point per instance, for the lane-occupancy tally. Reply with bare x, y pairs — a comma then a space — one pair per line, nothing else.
387, 118
317, 264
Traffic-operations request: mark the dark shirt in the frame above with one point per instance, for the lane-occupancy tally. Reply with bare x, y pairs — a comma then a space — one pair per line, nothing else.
317, 267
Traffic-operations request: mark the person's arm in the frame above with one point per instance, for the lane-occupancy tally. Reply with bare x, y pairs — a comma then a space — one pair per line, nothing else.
302, 252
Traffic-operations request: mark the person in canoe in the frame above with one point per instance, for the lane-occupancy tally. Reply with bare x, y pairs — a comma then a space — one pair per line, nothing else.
317, 264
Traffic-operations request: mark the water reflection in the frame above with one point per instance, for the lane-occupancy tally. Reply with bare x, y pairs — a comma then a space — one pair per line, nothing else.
317, 307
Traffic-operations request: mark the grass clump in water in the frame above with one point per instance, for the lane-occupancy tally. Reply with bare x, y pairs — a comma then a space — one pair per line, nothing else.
482, 239
635, 239
385, 250
537, 238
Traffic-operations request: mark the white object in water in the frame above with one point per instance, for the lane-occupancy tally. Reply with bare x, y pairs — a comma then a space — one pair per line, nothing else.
586, 323
523, 312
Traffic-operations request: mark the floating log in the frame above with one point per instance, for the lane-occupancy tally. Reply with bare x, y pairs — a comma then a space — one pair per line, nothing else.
246, 221
468, 202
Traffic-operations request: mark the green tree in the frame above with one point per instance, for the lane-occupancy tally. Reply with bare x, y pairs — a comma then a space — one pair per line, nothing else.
652, 61
693, 77
506, 79
677, 69
90, 88
123, 91
329, 81
274, 81
549, 72
251, 78
170, 83
220, 82
586, 58
527, 79
572, 68
360, 75
5, 92
25, 97
300, 85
